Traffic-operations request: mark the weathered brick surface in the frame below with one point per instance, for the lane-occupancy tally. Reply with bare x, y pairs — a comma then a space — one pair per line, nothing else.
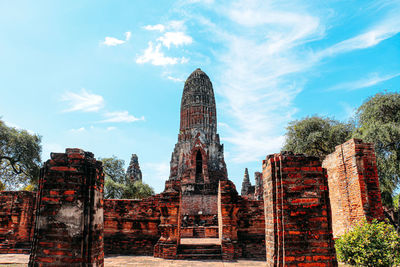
131, 226
353, 185
16, 221
170, 221
199, 204
298, 228
241, 224
69, 215
251, 228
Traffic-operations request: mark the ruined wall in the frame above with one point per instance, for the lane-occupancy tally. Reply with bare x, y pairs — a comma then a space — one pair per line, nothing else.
353, 185
241, 224
16, 221
170, 223
298, 227
251, 228
131, 226
69, 212
206, 204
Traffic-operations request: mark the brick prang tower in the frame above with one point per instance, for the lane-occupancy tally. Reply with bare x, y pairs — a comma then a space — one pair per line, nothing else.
133, 172
198, 157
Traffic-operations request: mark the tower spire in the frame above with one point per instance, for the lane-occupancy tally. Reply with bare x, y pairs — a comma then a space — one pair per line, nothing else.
198, 157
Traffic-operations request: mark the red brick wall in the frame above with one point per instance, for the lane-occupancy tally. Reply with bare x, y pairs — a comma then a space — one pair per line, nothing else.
69, 217
297, 212
131, 226
241, 224
16, 221
207, 204
251, 228
353, 185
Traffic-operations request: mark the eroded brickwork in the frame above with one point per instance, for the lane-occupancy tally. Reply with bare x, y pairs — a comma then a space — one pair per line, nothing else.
131, 226
241, 224
133, 172
170, 224
259, 189
353, 185
298, 227
69, 217
16, 221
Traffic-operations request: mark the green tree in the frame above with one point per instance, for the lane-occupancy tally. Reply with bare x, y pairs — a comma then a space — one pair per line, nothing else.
378, 121
117, 185
137, 190
19, 157
369, 244
316, 136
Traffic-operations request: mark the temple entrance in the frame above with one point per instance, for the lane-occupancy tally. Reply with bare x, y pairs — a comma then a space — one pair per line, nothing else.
199, 227
199, 168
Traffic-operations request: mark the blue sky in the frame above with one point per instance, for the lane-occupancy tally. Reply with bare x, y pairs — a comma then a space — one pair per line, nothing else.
107, 76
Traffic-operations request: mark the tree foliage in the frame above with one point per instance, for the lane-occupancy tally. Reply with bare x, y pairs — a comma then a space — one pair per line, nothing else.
316, 136
19, 157
378, 121
369, 244
117, 185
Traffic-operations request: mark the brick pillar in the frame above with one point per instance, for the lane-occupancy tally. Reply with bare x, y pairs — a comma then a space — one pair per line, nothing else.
69, 216
169, 206
228, 220
353, 185
297, 212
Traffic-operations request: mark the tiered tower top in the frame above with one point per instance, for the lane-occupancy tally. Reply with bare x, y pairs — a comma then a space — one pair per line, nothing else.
198, 110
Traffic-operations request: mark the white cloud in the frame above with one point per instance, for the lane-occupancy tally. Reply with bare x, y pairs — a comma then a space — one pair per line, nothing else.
371, 80
128, 36
175, 79
175, 38
157, 27
383, 30
156, 57
111, 128
121, 116
111, 41
79, 130
83, 101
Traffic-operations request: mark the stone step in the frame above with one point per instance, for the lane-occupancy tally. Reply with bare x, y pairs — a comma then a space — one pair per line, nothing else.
199, 251
199, 256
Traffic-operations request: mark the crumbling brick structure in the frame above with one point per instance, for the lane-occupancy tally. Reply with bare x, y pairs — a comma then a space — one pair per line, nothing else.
16, 221
353, 185
170, 224
69, 216
298, 227
131, 226
241, 224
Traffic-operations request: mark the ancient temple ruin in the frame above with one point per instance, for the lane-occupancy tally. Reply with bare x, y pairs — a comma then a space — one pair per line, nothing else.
289, 217
133, 172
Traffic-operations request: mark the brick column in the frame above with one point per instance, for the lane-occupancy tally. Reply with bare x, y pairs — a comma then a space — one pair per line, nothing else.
69, 215
228, 220
353, 185
169, 206
297, 212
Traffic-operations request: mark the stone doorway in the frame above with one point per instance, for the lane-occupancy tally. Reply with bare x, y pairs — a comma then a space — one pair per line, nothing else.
199, 228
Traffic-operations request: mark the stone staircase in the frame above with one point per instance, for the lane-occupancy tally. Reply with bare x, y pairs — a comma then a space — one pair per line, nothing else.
199, 251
